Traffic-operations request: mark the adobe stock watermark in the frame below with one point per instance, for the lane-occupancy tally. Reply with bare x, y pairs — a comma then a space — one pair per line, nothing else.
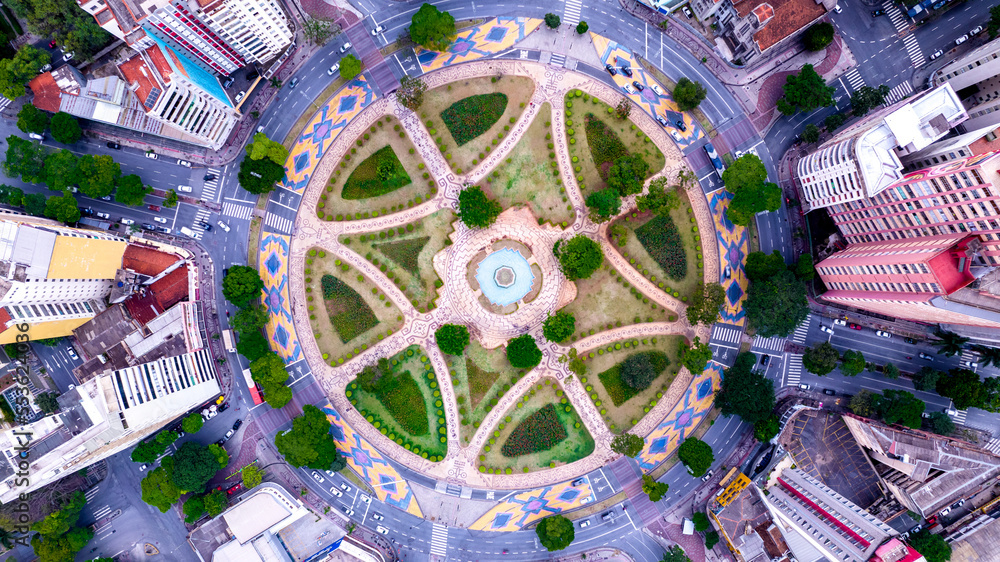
22, 406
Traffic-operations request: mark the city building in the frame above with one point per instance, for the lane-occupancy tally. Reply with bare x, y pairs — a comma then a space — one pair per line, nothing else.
745, 524
896, 551
752, 28
863, 160
923, 471
813, 513
975, 76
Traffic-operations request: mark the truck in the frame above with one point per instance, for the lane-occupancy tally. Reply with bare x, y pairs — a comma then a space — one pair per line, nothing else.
227, 338
187, 232
252, 386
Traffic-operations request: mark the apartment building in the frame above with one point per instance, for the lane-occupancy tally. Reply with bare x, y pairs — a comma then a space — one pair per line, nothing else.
975, 76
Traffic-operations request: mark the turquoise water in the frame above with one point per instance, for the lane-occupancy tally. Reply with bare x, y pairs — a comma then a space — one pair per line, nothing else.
502, 296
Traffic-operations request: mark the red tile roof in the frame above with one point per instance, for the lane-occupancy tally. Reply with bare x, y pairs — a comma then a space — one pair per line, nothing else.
789, 17
147, 261
138, 73
981, 145
142, 308
171, 289
47, 93
5, 319
160, 62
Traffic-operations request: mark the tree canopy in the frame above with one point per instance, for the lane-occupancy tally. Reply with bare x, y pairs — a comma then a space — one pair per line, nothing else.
17, 71
523, 352
949, 343
627, 175
263, 147
627, 444
899, 407
63, 519
259, 176
818, 36
158, 488
675, 554
61, 170
131, 191
764, 430
761, 266
98, 174
350, 66
252, 476
32, 120
705, 304
309, 442
476, 209
252, 345
854, 363
963, 387
432, 28
941, 423
452, 338
745, 392
697, 455
242, 285
65, 128
820, 359
411, 92
192, 423
688, 94
194, 466
170, 200
867, 98
24, 159
655, 490
194, 508
579, 257
62, 208
555, 532
660, 199
933, 547
776, 306
695, 356
746, 171
926, 379
269, 372
216, 502
248, 319
805, 91
604, 204
559, 327
746, 179
552, 21
34, 204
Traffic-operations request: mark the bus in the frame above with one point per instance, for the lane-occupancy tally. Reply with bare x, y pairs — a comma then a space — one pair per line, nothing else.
227, 338
252, 386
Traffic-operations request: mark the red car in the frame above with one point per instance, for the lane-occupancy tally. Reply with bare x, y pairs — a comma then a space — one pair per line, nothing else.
154, 208
855, 327
52, 44
233, 489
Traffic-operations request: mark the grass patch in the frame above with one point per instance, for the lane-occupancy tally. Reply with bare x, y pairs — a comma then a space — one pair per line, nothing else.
540, 431
348, 311
606, 300
480, 381
378, 174
253, 246
663, 243
470, 117
619, 390
406, 253
407, 405
605, 146
479, 378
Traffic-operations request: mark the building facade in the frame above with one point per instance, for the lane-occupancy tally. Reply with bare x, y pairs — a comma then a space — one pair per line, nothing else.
976, 78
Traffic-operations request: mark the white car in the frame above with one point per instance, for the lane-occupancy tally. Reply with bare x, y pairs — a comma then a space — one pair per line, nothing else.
35, 136
377, 516
970, 364
838, 9
882, 334
223, 226
317, 477
656, 88
104, 216
151, 155
240, 96
839, 322
184, 163
586, 500
978, 29
336, 492
378, 29
826, 329
962, 39
128, 222
347, 511
72, 353
585, 523
382, 530
143, 467
345, 46
69, 56
333, 69
160, 220
936, 54
184, 188
345, 487
366, 498
628, 88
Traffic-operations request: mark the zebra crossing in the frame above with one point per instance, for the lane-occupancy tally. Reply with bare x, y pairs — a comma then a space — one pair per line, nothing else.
799, 336
913, 49
201, 217
794, 373
4, 102
102, 513
959, 417
993, 446
895, 16
439, 540
727, 335
571, 15
92, 492
210, 187
237, 211
854, 79
897, 93
774, 345
281, 224
557, 59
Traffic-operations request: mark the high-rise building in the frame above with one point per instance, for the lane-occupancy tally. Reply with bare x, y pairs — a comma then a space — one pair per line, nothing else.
975, 76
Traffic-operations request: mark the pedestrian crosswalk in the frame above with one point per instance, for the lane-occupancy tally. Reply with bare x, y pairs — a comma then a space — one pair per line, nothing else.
571, 15
895, 16
281, 224
726, 335
854, 79
993, 446
439, 540
773, 345
237, 211
897, 93
959, 417
211, 186
89, 495
557, 59
4, 102
794, 373
102, 512
912, 47
799, 336
200, 218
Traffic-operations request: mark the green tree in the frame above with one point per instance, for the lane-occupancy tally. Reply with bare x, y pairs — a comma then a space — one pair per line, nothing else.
220, 454
98, 174
253, 346
854, 363
263, 147
933, 547
987, 355
131, 192
627, 444
655, 490
804, 268
61, 170
993, 26
746, 171
834, 121
711, 539
523, 352
216, 502
317, 31
555, 532
350, 66
949, 343
890, 371
863, 404
452, 338
700, 520
745, 392
269, 372
248, 319
432, 28
926, 379
259, 176
158, 488
810, 134
941, 423
194, 508
817, 37
640, 369
659, 199
34, 204
17, 71
192, 423
24, 159
559, 327
242, 285
688, 94
624, 108
475, 209
309, 442
12, 196
411, 92
899, 407
752, 200
820, 359
604, 205
60, 521
171, 199
805, 91
867, 98
777, 306
765, 430
552, 20
65, 128
579, 257
61, 548
705, 304
32, 120
582, 28
761, 266
990, 400
696, 455
627, 174
252, 476
62, 208
695, 356
148, 451
963, 387
194, 466
675, 554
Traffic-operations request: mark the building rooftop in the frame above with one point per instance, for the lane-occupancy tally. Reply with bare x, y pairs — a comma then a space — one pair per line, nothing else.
781, 18
104, 331
895, 550
46, 91
141, 80
146, 260
86, 258
171, 289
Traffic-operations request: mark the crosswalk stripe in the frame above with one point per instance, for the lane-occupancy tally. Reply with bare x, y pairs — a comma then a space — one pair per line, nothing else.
898, 93
913, 49
104, 511
726, 334
775, 344
993, 446
895, 15
92, 492
571, 15
237, 211
557, 60
279, 223
855, 79
439, 540
959, 418
799, 336
794, 369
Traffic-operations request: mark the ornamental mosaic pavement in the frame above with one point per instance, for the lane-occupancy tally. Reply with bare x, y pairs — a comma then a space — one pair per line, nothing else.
484, 40
273, 262
734, 246
523, 508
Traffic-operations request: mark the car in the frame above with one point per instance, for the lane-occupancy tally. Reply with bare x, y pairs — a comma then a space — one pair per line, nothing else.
687, 11
366, 498
223, 226
69, 56
160, 220
728, 271
854, 326
916, 529
237, 424
336, 492
377, 516
826, 329
347, 511
611, 69
382, 530
224, 407
804, 387
656, 88
713, 157
585, 523
578, 481
628, 89
155, 208
936, 54
345, 487
240, 96
205, 226
959, 503
127, 222
661, 121
838, 9
184, 163
925, 356
143, 467
148, 226
587, 499
163, 229
317, 477
829, 392
253, 75
114, 145
765, 359
333, 69
609, 516
904, 536
378, 29
151, 155
638, 85
878, 12
951, 411
344, 47
184, 188
883, 334
228, 83
209, 177
36, 136
104, 216
680, 125
839, 322
976, 30
86, 211
260, 129
961, 39
52, 44
45, 69
970, 364
944, 512
221, 442
707, 476
234, 488
72, 353
105, 198
910, 341
229, 435
626, 70
292, 83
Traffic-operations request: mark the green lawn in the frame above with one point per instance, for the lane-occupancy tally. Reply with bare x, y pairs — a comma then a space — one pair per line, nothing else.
479, 378
606, 300
376, 175
407, 405
615, 385
470, 117
405, 253
349, 313
605, 146
661, 240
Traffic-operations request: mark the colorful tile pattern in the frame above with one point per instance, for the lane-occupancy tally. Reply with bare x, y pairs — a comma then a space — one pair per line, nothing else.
317, 136
518, 510
734, 245
371, 466
274, 272
484, 40
618, 55
683, 419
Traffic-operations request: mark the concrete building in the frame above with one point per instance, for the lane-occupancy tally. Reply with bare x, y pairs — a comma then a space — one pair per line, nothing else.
750, 29
975, 76
746, 526
924, 471
863, 160
896, 551
104, 416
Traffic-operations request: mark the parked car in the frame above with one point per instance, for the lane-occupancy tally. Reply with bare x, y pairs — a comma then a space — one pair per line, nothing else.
104, 216
839, 322
160, 220
229, 434
628, 89
344, 47
151, 155
680, 125
36, 136
228, 83
611, 69
240, 96
638, 85
838, 9
707, 476
316, 476
976, 30
962, 39
854, 326
378, 29
656, 88
377, 516
936, 54
52, 44
148, 226
347, 511
184, 163
382, 530
585, 523
237, 424
143, 467
223, 407
661, 120
333, 69
105, 198
114, 145
883, 334
829, 392
626, 70
910, 341
292, 83
234, 488
878, 12
609, 516
69, 56
577, 482
72, 353
944, 512
185, 188
366, 498
826, 329
336, 492
345, 487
